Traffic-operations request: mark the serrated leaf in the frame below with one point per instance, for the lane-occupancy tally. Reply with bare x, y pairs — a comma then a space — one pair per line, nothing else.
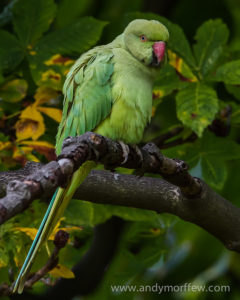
167, 81
214, 171
177, 39
197, 106
70, 10
209, 154
14, 90
73, 39
229, 72
222, 148
181, 67
70, 40
32, 18
211, 36
11, 52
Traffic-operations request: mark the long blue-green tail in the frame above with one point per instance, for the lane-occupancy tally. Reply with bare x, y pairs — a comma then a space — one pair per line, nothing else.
55, 210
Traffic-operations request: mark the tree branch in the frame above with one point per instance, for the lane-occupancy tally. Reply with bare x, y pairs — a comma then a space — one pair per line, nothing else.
181, 195
208, 210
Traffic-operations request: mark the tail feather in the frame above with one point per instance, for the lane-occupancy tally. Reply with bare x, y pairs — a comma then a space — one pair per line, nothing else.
55, 210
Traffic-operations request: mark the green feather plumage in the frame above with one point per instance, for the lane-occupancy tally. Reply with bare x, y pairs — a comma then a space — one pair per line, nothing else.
108, 90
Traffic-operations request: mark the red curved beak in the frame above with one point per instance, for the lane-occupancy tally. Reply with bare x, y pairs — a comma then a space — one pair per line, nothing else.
159, 49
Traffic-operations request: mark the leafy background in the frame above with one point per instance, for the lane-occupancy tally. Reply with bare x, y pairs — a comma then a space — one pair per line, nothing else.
198, 90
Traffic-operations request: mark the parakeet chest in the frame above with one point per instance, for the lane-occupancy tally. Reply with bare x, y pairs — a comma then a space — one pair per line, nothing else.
132, 94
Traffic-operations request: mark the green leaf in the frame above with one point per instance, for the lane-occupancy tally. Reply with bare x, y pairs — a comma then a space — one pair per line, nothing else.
11, 52
222, 148
177, 39
197, 106
83, 213
235, 116
131, 213
4, 258
211, 36
70, 40
168, 81
14, 90
73, 39
209, 154
231, 187
234, 90
70, 10
32, 18
214, 171
229, 72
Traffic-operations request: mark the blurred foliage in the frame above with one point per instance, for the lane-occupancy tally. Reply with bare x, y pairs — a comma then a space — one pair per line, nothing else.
199, 89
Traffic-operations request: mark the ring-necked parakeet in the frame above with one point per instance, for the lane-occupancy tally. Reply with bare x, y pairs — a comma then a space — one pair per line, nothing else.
109, 91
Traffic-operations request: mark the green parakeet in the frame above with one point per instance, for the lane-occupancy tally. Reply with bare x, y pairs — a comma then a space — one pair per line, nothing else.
109, 91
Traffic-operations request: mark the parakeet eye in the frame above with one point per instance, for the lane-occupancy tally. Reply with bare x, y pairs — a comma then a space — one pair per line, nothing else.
143, 38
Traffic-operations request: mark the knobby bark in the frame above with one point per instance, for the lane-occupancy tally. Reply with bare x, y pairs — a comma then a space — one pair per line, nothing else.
178, 193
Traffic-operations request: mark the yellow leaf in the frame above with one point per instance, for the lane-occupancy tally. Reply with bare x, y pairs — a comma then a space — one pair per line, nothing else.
5, 145
67, 229
62, 271
51, 75
29, 129
32, 157
44, 94
157, 93
21, 151
36, 144
54, 113
4, 258
30, 125
153, 111
42, 147
57, 228
181, 67
14, 90
17, 258
58, 59
156, 231
31, 232
31, 113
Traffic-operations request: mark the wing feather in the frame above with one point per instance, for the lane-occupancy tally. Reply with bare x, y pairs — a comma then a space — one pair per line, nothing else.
87, 95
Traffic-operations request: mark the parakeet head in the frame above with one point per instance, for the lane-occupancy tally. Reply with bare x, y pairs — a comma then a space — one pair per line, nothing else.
146, 41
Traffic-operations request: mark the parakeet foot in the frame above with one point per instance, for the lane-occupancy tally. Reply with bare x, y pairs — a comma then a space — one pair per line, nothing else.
139, 172
125, 150
138, 152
